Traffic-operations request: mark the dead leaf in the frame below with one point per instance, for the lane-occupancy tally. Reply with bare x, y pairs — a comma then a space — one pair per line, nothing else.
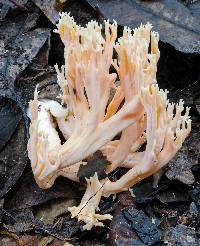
194, 7
182, 235
173, 195
51, 8
10, 239
29, 194
197, 103
47, 80
5, 6
42, 58
45, 241
66, 227
51, 241
180, 169
96, 164
171, 19
49, 211
25, 240
30, 240
10, 115
11, 6
147, 231
13, 159
144, 192
19, 44
23, 221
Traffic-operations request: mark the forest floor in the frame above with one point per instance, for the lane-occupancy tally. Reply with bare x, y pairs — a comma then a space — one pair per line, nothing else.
168, 214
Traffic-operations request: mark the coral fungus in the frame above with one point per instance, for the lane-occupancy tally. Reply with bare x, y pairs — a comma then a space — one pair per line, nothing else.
93, 116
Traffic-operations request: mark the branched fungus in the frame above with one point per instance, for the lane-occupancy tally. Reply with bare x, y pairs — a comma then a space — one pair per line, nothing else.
93, 116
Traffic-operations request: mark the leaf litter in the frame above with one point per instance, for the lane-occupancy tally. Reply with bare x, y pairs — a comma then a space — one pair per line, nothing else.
174, 22
22, 70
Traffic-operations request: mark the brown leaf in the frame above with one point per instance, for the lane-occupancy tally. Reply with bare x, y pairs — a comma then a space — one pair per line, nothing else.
95, 164
171, 19
121, 232
29, 194
31, 240
49, 211
10, 239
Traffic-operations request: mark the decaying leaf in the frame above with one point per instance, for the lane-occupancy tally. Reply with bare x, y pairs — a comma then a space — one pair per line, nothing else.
10, 115
11, 239
195, 195
42, 58
144, 192
45, 78
194, 6
173, 195
180, 169
13, 5
49, 211
13, 159
23, 221
182, 235
29, 194
19, 44
51, 8
147, 231
67, 227
121, 232
97, 163
174, 21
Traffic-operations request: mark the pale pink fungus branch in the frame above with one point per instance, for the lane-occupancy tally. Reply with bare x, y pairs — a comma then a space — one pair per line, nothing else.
165, 133
43, 139
88, 82
89, 203
136, 67
138, 110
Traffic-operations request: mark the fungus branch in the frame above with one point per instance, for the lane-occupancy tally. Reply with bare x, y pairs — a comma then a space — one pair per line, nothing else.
136, 68
138, 110
165, 133
43, 139
89, 203
86, 83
